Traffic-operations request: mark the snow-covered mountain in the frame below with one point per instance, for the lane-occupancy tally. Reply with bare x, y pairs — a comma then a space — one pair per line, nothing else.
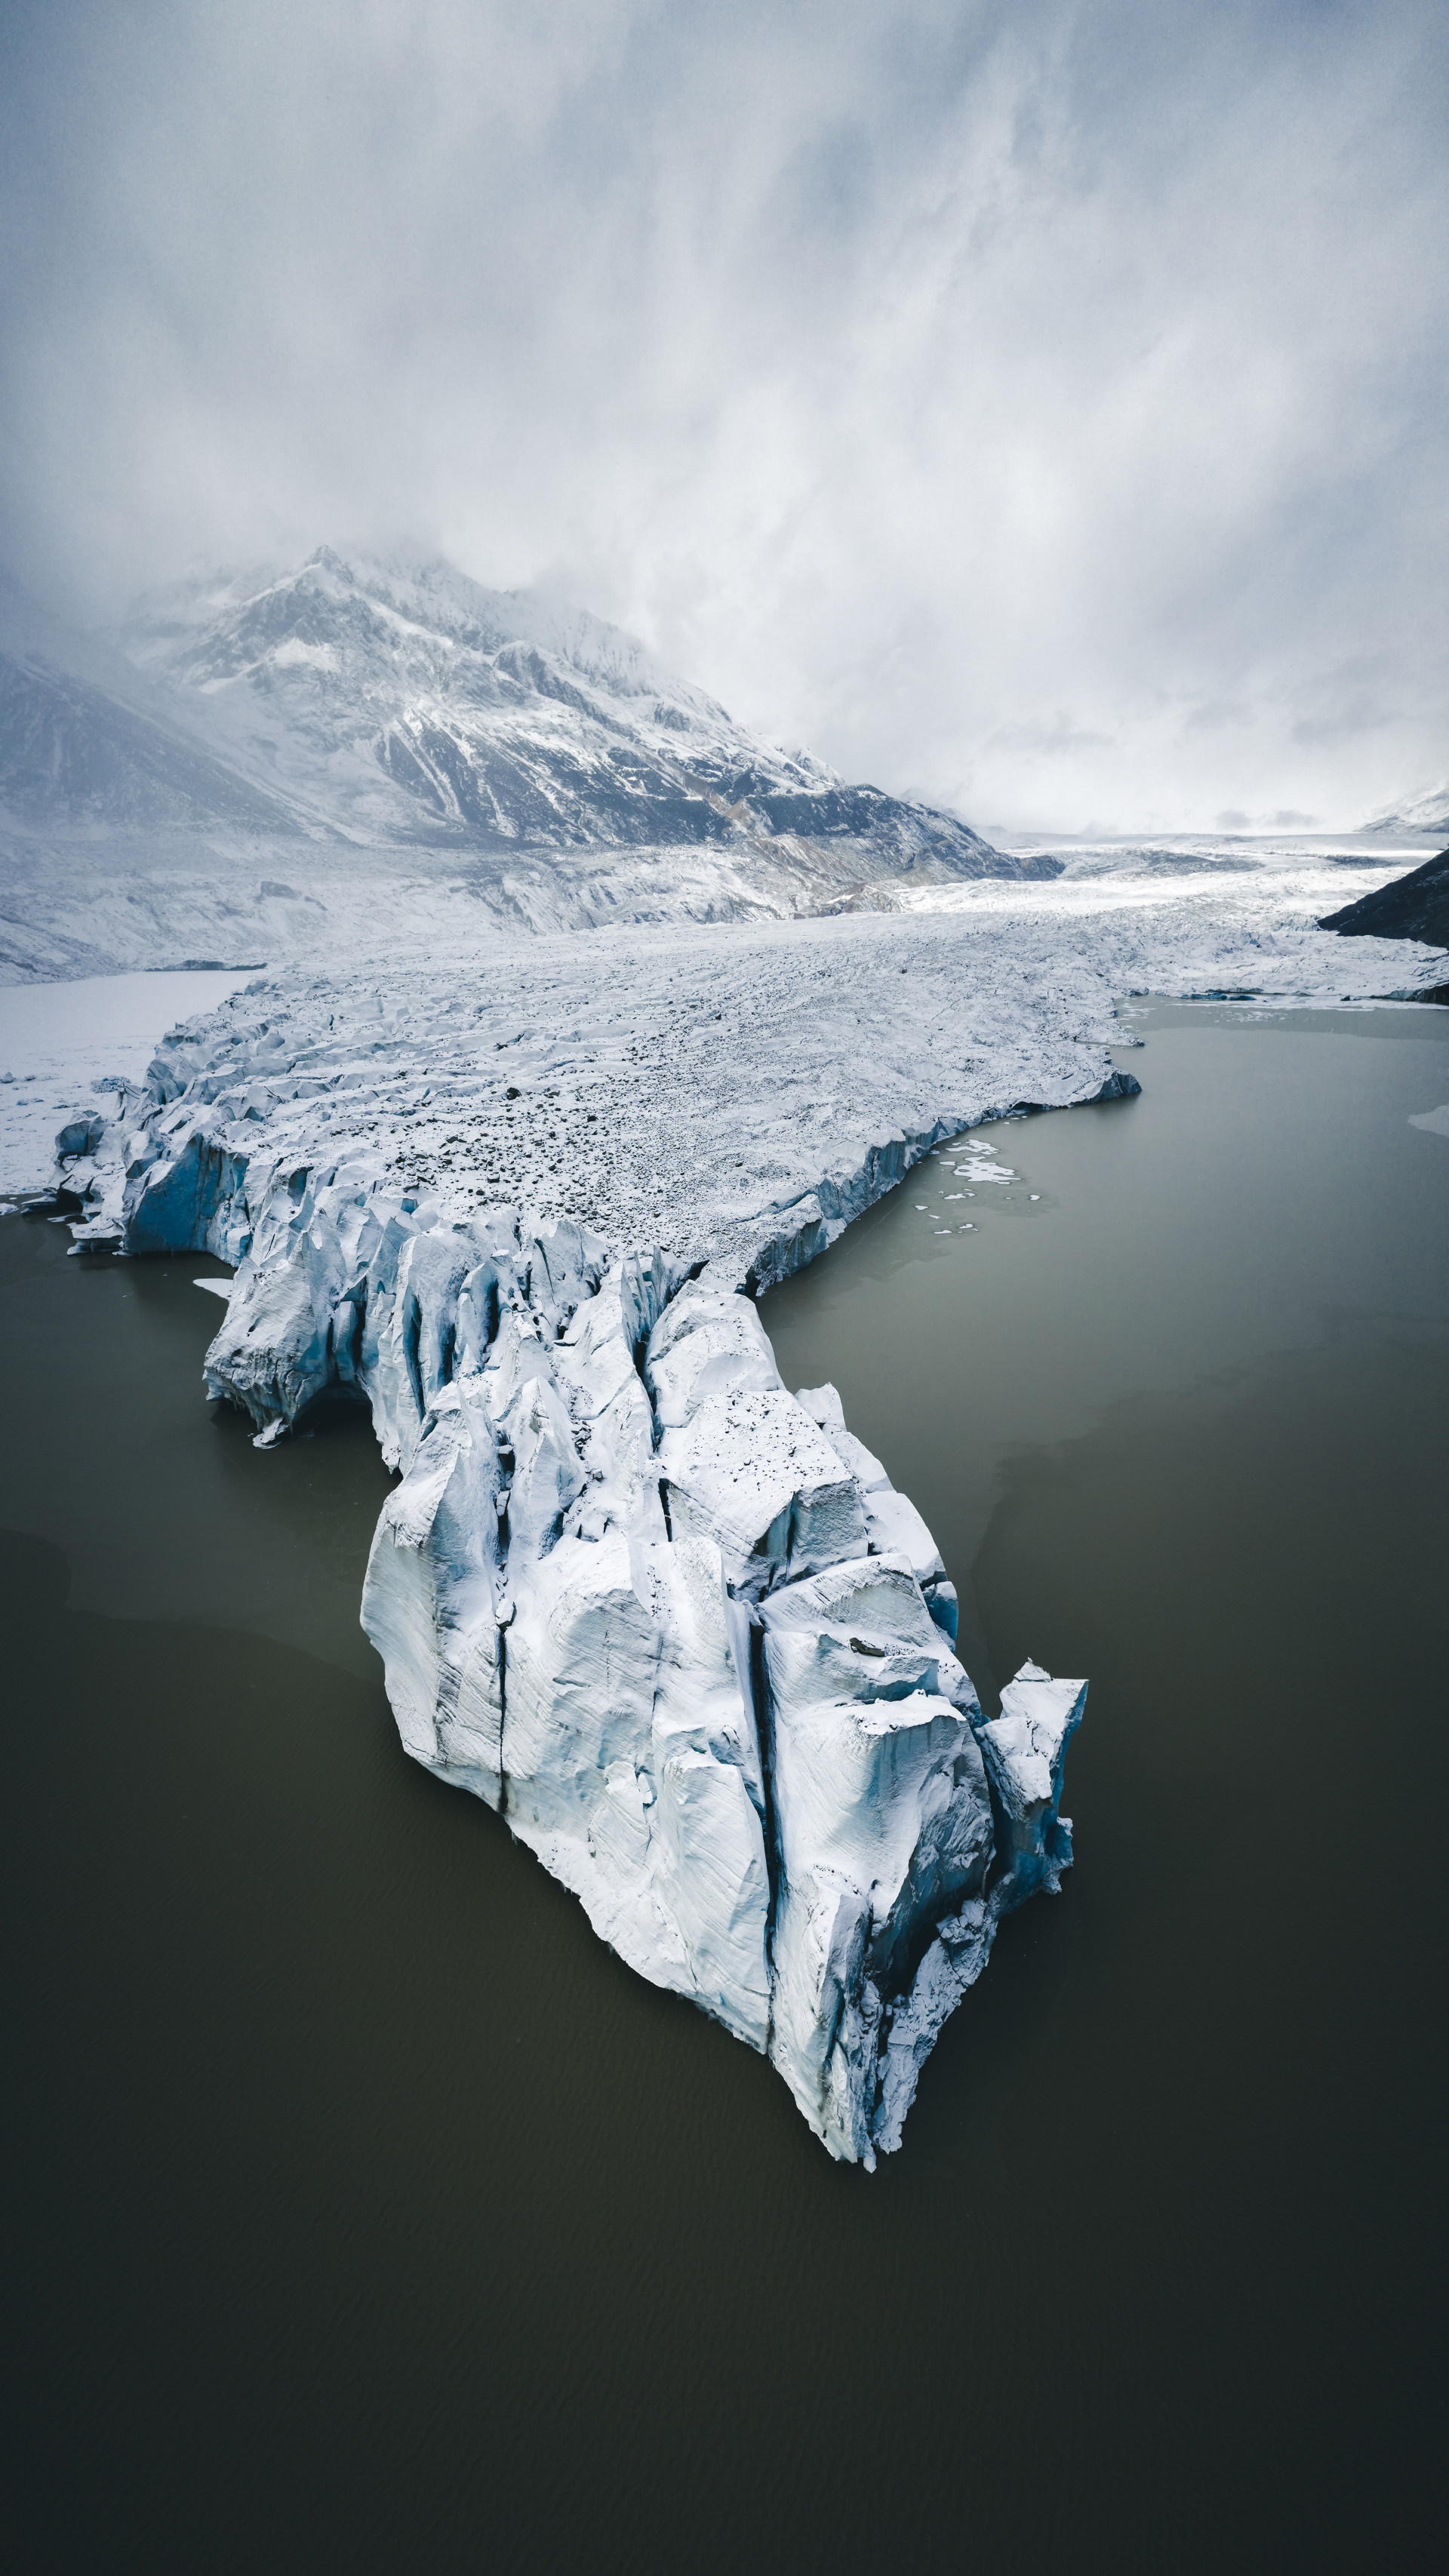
402, 701
272, 765
1427, 811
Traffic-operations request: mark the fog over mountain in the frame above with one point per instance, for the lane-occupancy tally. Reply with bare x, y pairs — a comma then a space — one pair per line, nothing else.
266, 764
1037, 411
403, 702
399, 699
1426, 811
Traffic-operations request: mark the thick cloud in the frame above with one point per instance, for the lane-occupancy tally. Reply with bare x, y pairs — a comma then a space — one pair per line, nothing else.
1037, 407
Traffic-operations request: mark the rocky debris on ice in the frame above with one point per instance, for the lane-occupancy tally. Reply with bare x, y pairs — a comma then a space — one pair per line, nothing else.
744, 1096
745, 1092
661, 1037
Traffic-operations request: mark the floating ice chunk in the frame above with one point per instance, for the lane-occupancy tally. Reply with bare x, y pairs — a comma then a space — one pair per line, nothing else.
1025, 1748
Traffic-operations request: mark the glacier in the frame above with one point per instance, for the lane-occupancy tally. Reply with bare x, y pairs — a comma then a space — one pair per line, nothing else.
517, 1195
664, 1615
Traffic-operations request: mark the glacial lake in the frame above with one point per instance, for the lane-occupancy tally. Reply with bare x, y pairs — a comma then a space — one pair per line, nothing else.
364, 2212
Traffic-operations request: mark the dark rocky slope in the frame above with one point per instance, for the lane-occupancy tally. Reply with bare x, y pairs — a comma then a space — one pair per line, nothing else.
1412, 907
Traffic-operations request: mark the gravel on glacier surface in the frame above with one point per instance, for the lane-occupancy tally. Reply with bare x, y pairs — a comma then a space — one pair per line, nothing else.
696, 1086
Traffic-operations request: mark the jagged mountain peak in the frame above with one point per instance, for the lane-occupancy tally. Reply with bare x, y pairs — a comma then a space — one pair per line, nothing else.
436, 706
386, 698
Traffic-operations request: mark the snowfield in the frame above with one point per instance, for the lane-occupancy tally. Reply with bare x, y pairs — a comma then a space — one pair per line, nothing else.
668, 1618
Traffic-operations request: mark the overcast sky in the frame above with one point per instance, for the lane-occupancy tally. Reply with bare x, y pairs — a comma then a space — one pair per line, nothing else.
1039, 408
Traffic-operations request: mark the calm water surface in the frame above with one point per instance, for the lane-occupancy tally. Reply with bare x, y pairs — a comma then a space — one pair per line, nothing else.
362, 2211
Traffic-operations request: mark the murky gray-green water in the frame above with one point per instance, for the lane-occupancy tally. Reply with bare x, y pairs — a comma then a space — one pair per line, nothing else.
362, 2211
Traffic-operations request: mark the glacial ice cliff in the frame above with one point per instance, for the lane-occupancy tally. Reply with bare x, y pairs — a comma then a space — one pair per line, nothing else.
668, 1619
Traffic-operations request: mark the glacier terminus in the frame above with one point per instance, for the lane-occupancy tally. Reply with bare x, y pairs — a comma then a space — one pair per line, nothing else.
673, 1623
669, 1619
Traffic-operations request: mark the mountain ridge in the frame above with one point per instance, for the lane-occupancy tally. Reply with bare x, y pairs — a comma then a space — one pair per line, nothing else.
265, 763
402, 699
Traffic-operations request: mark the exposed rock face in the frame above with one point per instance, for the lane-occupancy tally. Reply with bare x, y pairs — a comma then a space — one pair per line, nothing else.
403, 701
1415, 906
